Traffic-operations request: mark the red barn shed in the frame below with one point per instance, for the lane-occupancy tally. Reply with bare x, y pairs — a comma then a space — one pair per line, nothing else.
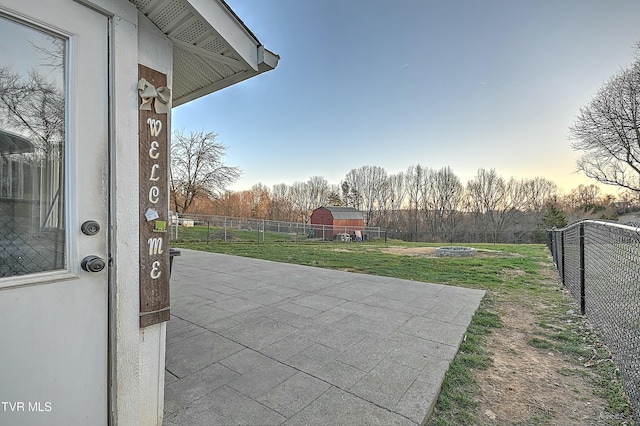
335, 220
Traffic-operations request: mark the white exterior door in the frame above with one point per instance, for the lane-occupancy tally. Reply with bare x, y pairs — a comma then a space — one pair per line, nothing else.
54, 176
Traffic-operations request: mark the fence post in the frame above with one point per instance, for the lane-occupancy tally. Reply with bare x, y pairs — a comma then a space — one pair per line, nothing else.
562, 277
582, 270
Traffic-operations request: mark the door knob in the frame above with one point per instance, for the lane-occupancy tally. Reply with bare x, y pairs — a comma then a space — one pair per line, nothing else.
93, 263
90, 227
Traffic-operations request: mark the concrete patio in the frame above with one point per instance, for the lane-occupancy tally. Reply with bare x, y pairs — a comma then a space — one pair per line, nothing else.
255, 342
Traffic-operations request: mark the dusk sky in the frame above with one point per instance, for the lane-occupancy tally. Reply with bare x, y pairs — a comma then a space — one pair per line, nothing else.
467, 84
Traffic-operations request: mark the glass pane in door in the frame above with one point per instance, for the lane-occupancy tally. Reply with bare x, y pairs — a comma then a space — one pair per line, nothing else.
32, 146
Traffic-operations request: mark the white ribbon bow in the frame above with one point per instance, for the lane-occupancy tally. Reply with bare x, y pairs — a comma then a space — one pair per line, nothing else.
148, 93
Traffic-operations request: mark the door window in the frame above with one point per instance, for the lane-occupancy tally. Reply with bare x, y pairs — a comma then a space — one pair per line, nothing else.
32, 149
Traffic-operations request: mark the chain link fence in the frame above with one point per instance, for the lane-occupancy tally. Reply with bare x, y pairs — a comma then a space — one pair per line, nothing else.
197, 227
205, 228
599, 262
471, 235
24, 247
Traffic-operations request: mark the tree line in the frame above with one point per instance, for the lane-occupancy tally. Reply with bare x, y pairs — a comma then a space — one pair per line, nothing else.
425, 204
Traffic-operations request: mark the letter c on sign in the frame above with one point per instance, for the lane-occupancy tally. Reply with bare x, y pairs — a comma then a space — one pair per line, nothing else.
154, 193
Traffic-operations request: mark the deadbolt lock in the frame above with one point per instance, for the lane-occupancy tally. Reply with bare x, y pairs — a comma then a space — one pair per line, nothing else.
90, 227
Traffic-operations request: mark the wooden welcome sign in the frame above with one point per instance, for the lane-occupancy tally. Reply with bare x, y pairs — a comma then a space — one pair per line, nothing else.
154, 196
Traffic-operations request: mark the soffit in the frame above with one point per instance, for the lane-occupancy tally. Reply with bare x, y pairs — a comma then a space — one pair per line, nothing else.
212, 47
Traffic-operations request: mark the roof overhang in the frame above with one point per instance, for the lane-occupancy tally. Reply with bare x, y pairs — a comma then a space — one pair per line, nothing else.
212, 47
11, 143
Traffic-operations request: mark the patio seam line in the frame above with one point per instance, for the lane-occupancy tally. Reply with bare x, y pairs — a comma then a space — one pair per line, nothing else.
396, 330
174, 374
217, 362
303, 408
246, 396
300, 371
266, 406
434, 341
295, 368
345, 390
331, 385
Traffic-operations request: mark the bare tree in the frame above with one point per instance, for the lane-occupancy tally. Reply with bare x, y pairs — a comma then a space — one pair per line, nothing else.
33, 107
260, 201
414, 185
493, 202
309, 195
391, 201
583, 197
319, 191
281, 203
301, 201
538, 192
368, 183
334, 198
197, 168
349, 195
443, 200
629, 200
538, 199
608, 131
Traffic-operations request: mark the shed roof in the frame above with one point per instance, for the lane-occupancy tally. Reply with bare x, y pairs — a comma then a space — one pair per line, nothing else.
212, 47
339, 212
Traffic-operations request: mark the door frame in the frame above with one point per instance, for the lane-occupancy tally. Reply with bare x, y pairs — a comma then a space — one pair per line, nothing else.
122, 338
111, 264
109, 11
123, 349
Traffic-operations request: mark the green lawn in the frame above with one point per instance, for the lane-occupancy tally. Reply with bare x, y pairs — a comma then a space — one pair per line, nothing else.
481, 271
507, 272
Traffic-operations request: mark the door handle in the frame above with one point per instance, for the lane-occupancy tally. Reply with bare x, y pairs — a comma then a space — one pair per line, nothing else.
93, 263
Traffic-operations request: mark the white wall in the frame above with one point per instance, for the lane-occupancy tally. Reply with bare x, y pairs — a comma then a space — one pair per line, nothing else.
125, 296
154, 51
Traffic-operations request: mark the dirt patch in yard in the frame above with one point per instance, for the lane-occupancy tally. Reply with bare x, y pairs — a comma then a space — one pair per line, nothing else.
531, 385
431, 252
411, 251
534, 385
